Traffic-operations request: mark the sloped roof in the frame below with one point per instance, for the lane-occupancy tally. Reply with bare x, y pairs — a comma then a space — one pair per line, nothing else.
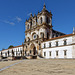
59, 37
13, 47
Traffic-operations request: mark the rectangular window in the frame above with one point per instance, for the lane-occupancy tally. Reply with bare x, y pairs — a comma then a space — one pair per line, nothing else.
65, 42
56, 53
5, 54
49, 44
56, 43
44, 53
65, 53
50, 53
44, 45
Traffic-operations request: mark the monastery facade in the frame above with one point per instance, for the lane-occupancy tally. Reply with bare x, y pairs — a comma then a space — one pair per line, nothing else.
42, 41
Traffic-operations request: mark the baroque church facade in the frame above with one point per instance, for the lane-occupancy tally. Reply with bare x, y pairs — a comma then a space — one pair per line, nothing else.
42, 41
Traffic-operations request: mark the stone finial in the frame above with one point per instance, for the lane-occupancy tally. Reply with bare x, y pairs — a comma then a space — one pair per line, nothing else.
44, 7
34, 15
73, 30
50, 12
31, 15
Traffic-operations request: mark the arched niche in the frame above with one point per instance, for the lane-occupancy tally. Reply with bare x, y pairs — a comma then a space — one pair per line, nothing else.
42, 35
41, 20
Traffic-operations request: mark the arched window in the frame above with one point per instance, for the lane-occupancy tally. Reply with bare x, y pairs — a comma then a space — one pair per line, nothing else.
25, 52
41, 20
28, 26
30, 51
31, 22
36, 19
42, 35
26, 47
28, 39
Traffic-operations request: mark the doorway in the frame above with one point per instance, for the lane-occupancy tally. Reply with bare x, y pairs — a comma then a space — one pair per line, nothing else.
34, 51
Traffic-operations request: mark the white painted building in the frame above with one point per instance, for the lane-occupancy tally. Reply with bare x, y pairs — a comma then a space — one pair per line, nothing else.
14, 51
60, 47
41, 40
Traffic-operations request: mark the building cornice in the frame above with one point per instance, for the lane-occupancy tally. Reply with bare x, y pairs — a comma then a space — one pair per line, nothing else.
34, 40
39, 26
58, 46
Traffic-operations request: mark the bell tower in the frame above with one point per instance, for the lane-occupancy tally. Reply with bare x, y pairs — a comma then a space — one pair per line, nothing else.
45, 17
38, 29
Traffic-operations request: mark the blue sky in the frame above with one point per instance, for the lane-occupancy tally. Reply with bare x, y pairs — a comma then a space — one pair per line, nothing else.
13, 14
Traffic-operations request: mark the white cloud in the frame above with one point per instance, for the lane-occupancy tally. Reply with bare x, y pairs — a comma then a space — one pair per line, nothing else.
8, 22
12, 21
18, 19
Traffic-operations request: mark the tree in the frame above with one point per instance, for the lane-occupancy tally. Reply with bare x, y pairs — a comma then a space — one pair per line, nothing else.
3, 49
11, 46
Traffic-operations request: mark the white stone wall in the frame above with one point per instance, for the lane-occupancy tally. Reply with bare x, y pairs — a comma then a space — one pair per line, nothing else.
10, 51
60, 42
60, 48
60, 52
